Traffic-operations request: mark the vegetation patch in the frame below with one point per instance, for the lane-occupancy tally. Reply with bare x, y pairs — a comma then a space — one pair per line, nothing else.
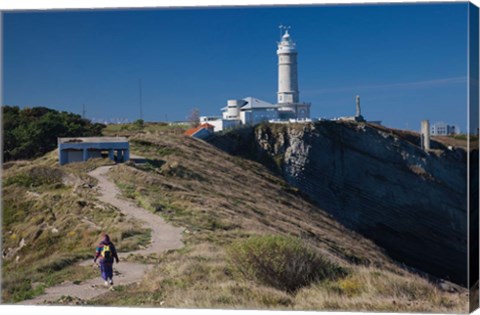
465, 137
51, 221
32, 132
282, 262
221, 201
159, 150
36, 177
140, 126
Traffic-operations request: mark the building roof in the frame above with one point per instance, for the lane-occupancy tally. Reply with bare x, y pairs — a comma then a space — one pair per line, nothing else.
207, 125
92, 140
190, 132
253, 103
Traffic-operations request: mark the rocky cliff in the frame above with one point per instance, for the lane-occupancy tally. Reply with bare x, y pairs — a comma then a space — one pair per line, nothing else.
376, 181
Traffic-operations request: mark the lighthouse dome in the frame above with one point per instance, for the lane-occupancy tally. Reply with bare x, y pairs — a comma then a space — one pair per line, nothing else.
286, 45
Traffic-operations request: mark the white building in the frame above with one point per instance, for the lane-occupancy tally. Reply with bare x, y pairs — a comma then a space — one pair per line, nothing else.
247, 111
251, 111
443, 129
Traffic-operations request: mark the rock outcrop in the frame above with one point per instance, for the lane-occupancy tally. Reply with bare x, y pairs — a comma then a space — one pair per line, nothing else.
376, 181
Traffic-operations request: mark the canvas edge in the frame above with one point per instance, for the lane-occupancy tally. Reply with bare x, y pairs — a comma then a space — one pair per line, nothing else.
473, 160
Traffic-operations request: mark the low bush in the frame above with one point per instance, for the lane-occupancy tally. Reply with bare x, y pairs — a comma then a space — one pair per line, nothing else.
285, 263
36, 177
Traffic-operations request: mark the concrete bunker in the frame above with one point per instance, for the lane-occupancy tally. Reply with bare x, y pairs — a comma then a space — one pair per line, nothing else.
72, 150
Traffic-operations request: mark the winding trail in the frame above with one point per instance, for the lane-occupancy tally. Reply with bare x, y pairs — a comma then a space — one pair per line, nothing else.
163, 237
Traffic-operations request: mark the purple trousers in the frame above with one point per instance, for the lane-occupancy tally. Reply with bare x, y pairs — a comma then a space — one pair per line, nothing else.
106, 268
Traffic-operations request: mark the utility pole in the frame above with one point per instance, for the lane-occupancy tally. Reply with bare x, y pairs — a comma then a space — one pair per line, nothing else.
140, 97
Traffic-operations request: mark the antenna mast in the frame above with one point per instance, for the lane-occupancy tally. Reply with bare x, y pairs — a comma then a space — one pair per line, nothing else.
140, 96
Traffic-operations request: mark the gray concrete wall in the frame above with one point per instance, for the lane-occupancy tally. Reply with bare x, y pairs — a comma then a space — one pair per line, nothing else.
74, 156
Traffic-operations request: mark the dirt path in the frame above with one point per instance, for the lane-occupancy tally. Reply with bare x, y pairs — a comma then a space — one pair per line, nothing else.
164, 237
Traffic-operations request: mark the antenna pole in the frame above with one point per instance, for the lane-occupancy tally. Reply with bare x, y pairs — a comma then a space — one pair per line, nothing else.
140, 97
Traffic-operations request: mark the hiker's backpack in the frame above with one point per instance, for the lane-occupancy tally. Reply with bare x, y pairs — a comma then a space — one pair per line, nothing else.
106, 252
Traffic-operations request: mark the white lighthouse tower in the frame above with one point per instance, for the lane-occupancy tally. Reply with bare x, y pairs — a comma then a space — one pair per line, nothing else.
288, 94
287, 70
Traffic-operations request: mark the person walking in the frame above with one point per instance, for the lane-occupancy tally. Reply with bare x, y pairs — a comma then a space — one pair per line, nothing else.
106, 254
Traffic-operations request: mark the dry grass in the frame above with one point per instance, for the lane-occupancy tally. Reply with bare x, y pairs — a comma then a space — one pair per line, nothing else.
371, 289
217, 192
128, 130
50, 220
221, 199
198, 277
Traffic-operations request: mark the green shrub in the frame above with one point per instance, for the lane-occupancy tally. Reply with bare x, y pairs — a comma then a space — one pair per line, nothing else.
36, 177
138, 123
32, 132
285, 263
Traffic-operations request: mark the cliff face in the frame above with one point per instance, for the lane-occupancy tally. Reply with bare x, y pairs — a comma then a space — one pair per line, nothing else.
375, 181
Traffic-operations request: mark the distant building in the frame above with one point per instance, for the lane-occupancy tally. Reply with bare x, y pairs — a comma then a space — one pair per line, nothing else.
215, 121
81, 149
443, 129
201, 132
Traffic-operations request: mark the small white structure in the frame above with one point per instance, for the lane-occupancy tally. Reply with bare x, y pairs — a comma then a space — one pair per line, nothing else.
425, 135
232, 111
358, 114
215, 121
443, 129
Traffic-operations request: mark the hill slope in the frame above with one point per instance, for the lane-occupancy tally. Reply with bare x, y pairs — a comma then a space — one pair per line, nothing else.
220, 199
376, 181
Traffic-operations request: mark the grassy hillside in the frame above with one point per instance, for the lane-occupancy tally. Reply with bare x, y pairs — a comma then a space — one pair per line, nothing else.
50, 220
223, 201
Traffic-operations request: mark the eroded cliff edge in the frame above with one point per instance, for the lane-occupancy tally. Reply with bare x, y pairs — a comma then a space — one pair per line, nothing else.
376, 181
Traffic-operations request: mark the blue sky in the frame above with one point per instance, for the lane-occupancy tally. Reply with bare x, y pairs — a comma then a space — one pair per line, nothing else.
408, 62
